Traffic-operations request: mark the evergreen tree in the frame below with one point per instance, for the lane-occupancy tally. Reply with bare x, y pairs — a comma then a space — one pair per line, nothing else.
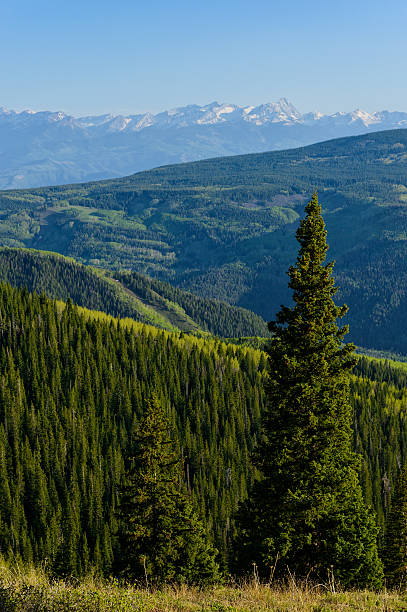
306, 510
73, 385
160, 537
394, 552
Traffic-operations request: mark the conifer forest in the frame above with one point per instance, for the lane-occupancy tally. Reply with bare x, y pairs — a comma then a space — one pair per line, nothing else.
136, 444
130, 450
203, 306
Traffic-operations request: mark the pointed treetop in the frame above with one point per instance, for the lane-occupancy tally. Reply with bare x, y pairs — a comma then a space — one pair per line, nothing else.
311, 233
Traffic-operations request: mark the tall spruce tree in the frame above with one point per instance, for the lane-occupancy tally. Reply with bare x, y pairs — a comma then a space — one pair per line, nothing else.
394, 552
306, 512
161, 538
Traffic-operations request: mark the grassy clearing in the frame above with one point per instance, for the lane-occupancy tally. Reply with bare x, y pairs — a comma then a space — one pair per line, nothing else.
28, 589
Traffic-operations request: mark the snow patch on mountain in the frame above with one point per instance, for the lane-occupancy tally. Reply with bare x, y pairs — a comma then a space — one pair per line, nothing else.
281, 112
52, 147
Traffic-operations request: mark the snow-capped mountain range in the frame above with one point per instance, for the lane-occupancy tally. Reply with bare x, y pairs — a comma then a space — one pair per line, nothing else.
43, 148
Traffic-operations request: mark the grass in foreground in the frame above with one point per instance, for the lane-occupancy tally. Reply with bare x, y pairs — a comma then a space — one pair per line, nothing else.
29, 590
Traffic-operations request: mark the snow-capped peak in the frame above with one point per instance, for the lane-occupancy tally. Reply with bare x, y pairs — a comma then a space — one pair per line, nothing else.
282, 112
120, 144
363, 116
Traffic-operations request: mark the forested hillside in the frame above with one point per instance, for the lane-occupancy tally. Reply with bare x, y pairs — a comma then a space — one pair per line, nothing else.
125, 294
379, 397
71, 392
217, 317
225, 227
72, 388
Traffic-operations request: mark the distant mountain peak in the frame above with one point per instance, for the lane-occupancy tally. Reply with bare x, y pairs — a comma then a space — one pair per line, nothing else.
283, 111
53, 147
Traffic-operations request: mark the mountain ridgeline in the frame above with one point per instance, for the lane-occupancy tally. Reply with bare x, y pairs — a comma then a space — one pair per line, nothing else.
46, 148
225, 228
125, 294
73, 385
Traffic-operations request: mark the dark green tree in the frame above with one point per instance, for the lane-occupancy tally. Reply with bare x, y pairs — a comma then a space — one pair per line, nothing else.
306, 510
394, 552
160, 538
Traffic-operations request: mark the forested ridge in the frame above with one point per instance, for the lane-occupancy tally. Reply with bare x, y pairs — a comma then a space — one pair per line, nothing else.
125, 294
225, 227
73, 385
214, 316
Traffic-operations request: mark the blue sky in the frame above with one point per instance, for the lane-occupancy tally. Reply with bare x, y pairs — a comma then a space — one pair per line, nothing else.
130, 56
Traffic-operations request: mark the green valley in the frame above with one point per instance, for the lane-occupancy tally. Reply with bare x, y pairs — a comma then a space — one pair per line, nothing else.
225, 227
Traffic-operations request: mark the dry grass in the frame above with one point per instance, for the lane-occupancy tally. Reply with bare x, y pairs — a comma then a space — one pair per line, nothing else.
28, 589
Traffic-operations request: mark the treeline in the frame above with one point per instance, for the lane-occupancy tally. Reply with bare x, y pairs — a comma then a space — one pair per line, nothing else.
72, 390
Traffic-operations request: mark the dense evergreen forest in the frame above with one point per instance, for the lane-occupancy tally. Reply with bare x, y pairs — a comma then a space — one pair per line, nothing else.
72, 389
214, 316
71, 392
225, 228
125, 294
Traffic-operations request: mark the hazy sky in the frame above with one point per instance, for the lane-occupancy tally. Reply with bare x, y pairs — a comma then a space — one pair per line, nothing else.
131, 56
